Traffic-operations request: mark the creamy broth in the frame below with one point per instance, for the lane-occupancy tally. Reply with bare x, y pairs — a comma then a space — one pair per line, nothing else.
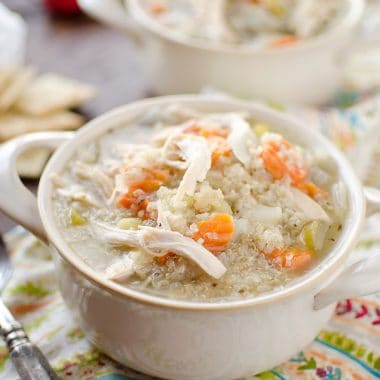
199, 206
259, 23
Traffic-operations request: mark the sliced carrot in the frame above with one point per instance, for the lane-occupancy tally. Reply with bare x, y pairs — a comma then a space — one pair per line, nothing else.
290, 258
311, 189
206, 132
285, 41
135, 202
152, 179
162, 260
147, 185
273, 163
157, 7
281, 144
156, 173
216, 138
136, 197
219, 148
296, 171
279, 166
298, 174
216, 233
301, 261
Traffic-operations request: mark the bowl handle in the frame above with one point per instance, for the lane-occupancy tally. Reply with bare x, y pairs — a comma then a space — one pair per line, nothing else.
16, 200
112, 13
359, 279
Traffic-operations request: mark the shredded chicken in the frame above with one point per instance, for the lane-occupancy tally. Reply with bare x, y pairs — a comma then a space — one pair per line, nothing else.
310, 208
170, 151
197, 155
76, 193
121, 186
59, 181
162, 219
97, 176
240, 134
158, 242
120, 270
162, 139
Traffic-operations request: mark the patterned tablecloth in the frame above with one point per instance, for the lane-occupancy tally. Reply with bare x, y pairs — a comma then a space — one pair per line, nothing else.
348, 348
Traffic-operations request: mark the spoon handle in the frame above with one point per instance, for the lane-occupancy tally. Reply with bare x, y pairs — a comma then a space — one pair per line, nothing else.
29, 361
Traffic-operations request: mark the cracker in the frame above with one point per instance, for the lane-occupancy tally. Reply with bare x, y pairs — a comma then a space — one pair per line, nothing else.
50, 93
14, 124
7, 74
14, 89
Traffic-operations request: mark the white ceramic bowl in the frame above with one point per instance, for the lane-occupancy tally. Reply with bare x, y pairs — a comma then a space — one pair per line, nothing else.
177, 339
307, 73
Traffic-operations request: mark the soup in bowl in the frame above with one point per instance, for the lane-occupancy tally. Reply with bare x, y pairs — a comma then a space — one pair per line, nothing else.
192, 234
276, 50
202, 206
258, 23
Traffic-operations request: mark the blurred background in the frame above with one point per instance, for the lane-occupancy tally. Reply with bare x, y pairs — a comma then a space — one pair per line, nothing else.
62, 40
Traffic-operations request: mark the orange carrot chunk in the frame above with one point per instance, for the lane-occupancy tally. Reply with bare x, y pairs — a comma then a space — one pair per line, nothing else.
136, 202
216, 138
279, 167
206, 132
157, 8
216, 233
162, 260
156, 173
219, 148
290, 258
311, 189
136, 197
285, 41
273, 163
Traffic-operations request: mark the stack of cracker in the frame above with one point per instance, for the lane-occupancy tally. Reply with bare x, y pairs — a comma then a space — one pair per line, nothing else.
30, 104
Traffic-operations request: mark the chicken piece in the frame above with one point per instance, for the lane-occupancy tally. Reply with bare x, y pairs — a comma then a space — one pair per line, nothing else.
158, 242
97, 176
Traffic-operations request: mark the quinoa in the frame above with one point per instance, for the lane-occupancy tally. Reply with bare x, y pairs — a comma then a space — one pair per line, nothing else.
260, 24
267, 239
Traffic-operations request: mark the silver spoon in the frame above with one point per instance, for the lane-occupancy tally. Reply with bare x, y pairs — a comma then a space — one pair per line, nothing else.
29, 361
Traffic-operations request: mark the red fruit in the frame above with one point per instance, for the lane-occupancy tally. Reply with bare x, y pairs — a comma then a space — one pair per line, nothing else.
63, 6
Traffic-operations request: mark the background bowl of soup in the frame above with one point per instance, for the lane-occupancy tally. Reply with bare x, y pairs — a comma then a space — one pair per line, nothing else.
176, 61
179, 338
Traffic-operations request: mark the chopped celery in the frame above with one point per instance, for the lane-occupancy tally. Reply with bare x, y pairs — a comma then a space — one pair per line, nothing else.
260, 129
314, 235
129, 223
77, 219
309, 235
275, 7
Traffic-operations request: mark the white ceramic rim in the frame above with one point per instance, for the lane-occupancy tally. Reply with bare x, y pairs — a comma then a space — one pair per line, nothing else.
327, 270
348, 22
